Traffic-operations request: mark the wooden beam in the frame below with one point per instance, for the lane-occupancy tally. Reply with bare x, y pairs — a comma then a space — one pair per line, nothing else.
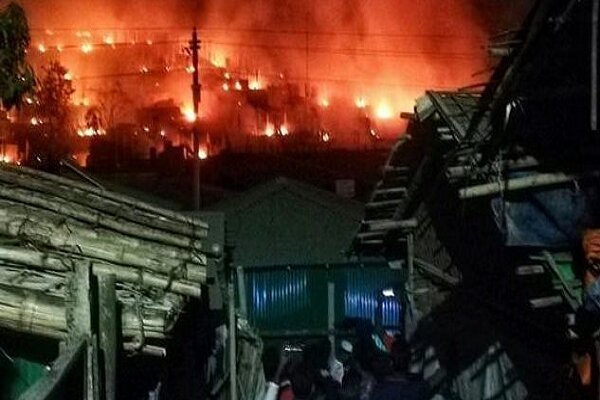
543, 302
527, 182
46, 386
530, 270
383, 203
436, 272
107, 315
387, 191
384, 225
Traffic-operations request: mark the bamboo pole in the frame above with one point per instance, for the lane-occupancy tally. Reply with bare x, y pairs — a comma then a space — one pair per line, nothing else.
68, 237
46, 261
168, 214
87, 215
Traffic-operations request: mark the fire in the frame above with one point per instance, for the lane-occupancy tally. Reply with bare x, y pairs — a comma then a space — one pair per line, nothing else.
361, 102
109, 40
325, 137
219, 61
227, 75
35, 121
68, 76
284, 130
87, 132
226, 87
59, 48
238, 86
254, 84
144, 69
6, 159
87, 48
202, 153
384, 111
41, 48
190, 69
324, 103
189, 114
270, 130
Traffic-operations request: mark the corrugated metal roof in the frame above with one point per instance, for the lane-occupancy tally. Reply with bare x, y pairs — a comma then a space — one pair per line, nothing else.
285, 222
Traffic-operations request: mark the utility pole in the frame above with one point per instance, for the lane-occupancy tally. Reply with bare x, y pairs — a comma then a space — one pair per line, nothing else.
195, 48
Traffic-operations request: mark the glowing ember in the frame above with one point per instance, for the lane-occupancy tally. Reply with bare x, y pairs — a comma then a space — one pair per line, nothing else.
254, 85
109, 40
163, 133
361, 102
190, 69
238, 86
227, 75
34, 121
325, 137
67, 76
284, 130
270, 130
87, 132
384, 111
226, 87
189, 114
144, 69
87, 48
219, 60
84, 102
41, 48
59, 48
149, 42
28, 100
202, 153
324, 103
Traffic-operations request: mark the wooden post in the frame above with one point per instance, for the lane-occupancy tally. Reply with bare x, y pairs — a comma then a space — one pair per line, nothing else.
232, 342
594, 78
107, 316
331, 314
241, 282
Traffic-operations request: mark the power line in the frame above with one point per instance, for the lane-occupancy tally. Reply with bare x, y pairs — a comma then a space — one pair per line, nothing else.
266, 31
349, 51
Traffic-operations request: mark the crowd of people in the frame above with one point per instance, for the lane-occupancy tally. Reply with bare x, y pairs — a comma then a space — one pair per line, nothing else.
367, 365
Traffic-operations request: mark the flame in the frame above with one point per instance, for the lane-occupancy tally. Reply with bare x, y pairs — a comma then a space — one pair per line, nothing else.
68, 77
202, 153
144, 69
59, 48
190, 69
227, 75
226, 87
238, 86
254, 84
324, 102
219, 60
384, 111
284, 130
270, 130
87, 48
87, 132
361, 102
6, 159
35, 121
109, 40
188, 114
41, 48
325, 137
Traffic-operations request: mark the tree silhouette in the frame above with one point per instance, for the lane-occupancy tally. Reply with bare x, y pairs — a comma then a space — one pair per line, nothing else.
16, 76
